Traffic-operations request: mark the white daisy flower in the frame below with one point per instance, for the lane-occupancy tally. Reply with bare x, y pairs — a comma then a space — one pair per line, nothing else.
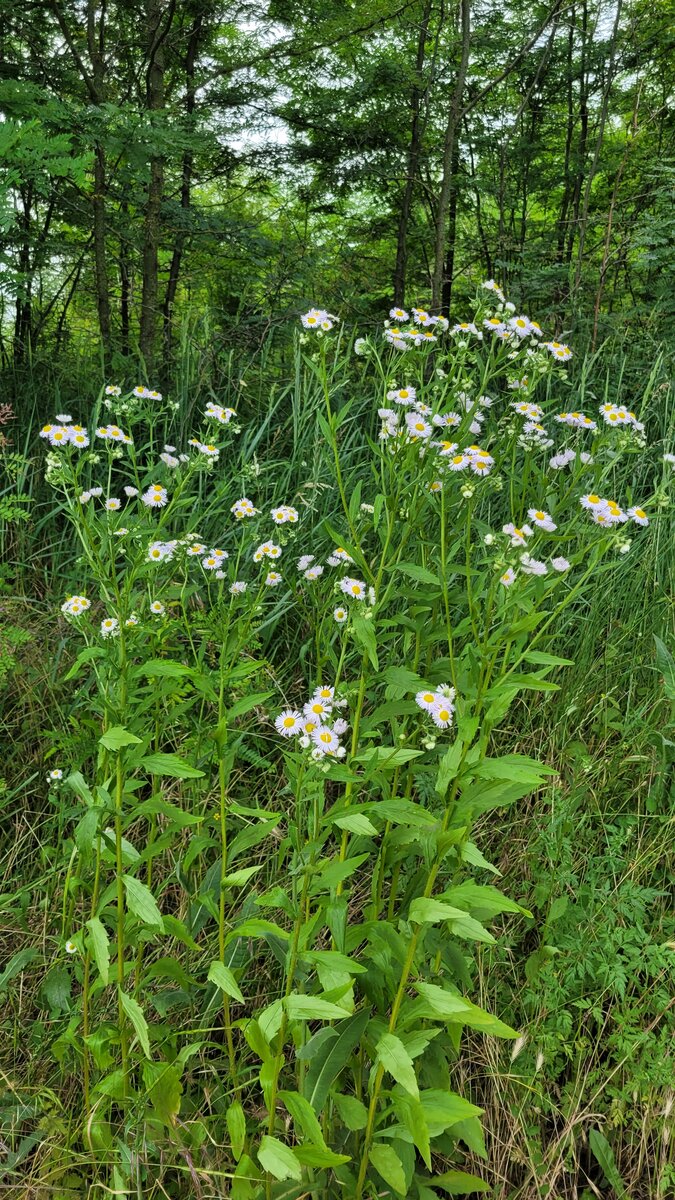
542, 519
426, 699
317, 709
113, 504
113, 390
593, 502
272, 579
398, 314
532, 566
508, 577
55, 775
441, 713
130, 491
313, 573
84, 497
355, 588
340, 615
326, 740
404, 396
288, 723
284, 514
340, 726
132, 620
70, 948
238, 587
638, 515
560, 564
110, 627
305, 561
155, 497
520, 325
157, 608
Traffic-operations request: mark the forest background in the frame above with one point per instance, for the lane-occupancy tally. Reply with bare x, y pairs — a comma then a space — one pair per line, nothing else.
179, 181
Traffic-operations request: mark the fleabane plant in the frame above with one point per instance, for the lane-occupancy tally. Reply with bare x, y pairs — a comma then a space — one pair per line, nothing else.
460, 543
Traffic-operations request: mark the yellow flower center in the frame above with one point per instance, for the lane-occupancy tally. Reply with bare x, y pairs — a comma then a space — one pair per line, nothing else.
289, 722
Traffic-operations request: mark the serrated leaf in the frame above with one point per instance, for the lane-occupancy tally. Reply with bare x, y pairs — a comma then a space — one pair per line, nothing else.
117, 737
225, 980
278, 1159
170, 765
135, 1014
387, 1162
394, 1057
100, 947
141, 902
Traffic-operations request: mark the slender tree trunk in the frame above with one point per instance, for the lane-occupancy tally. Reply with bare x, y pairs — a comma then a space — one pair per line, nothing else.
24, 297
448, 181
446, 291
562, 219
479, 211
414, 150
583, 137
96, 47
186, 184
125, 281
151, 229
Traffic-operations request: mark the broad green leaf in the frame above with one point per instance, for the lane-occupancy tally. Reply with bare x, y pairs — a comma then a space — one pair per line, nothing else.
542, 659
319, 1156
420, 574
355, 822
170, 765
257, 927
135, 1014
386, 757
156, 806
311, 1008
402, 679
334, 960
444, 1109
161, 667
457, 1010
458, 1183
100, 947
83, 657
278, 1159
516, 768
141, 902
165, 1089
426, 910
241, 707
78, 784
86, 829
394, 1057
448, 767
387, 1162
332, 1056
17, 964
363, 631
604, 1156
117, 737
481, 899
353, 1112
235, 1120
471, 854
225, 980
467, 927
306, 1120
413, 1119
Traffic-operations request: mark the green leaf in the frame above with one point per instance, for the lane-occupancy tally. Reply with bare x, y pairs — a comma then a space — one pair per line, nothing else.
547, 660
117, 737
394, 1057
355, 822
165, 1089
458, 1183
363, 631
170, 765
141, 902
352, 1112
236, 1127
448, 767
135, 1014
482, 899
319, 1156
306, 1120
278, 1159
456, 1009
425, 910
311, 1008
177, 816
402, 679
387, 1162
515, 768
332, 1056
604, 1156
100, 946
241, 707
83, 657
471, 854
17, 964
225, 980
161, 668
420, 574
386, 757
445, 1109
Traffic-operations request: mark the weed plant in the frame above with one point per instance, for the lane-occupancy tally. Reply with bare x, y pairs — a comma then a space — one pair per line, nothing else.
297, 713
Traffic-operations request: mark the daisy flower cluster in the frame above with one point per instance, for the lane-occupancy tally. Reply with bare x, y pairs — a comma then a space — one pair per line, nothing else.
244, 508
74, 606
614, 414
65, 434
419, 333
285, 514
143, 393
318, 319
316, 726
608, 512
216, 412
519, 537
438, 703
113, 433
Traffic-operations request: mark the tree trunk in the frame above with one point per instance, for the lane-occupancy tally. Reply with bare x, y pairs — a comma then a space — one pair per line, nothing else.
96, 47
151, 229
186, 184
411, 164
448, 182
